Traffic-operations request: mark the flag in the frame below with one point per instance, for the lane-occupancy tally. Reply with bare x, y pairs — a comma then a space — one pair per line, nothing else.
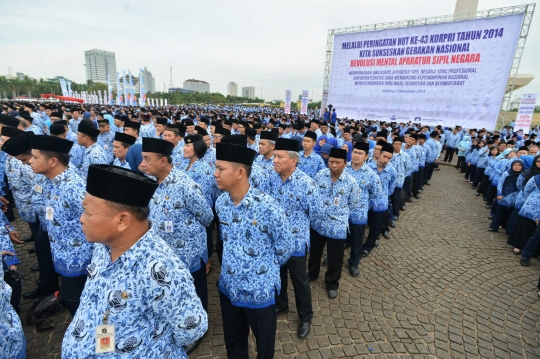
165, 102
119, 98
142, 89
63, 86
70, 93
109, 87
133, 100
126, 92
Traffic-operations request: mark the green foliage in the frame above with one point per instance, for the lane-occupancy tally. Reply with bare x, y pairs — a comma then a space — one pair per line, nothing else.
201, 98
27, 87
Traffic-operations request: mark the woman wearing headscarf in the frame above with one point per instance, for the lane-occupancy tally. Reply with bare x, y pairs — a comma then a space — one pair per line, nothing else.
332, 141
522, 181
325, 153
528, 216
472, 159
134, 157
490, 161
321, 141
347, 146
507, 191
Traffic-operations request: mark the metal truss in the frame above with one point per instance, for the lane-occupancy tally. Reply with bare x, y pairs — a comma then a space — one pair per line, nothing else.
527, 10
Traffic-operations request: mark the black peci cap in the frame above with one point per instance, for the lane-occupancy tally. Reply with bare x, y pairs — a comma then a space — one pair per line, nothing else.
387, 148
338, 153
18, 144
234, 153
156, 145
269, 135
10, 131
57, 129
362, 146
88, 130
240, 140
132, 124
7, 120
124, 138
51, 143
118, 185
193, 138
311, 135
285, 144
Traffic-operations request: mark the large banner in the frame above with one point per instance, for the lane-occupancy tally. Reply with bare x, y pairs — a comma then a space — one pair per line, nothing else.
305, 98
526, 112
445, 74
287, 101
142, 89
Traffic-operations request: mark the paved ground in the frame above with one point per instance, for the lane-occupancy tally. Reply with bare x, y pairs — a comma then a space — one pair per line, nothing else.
441, 287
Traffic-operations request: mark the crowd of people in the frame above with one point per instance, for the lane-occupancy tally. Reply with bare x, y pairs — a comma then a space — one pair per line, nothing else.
126, 206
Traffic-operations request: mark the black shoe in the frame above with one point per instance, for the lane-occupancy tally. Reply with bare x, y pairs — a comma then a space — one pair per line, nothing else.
402, 208
325, 262
354, 271
427, 184
488, 206
34, 268
281, 311
421, 188
386, 234
347, 244
409, 200
304, 329
416, 196
191, 347
332, 293
477, 194
365, 253
376, 243
35, 294
485, 202
392, 223
524, 262
32, 250
491, 230
490, 217
38, 282
420, 191
474, 187
311, 279
28, 240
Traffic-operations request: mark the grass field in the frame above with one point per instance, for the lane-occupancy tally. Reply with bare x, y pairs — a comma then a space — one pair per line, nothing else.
512, 115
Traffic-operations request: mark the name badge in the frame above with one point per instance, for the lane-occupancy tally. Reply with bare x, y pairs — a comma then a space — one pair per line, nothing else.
168, 226
49, 213
336, 201
38, 189
105, 339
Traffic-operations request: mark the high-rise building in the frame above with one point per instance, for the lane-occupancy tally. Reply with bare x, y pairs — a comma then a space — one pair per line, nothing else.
232, 89
149, 81
98, 63
248, 91
196, 85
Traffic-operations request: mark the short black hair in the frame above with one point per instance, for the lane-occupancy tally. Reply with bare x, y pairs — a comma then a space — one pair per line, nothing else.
200, 149
63, 158
140, 213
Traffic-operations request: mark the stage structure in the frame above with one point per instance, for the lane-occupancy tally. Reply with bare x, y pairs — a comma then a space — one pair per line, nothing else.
449, 70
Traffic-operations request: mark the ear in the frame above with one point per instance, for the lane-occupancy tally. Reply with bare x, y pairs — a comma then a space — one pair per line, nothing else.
124, 220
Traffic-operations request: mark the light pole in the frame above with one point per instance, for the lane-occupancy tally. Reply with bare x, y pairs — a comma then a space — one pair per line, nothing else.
261, 94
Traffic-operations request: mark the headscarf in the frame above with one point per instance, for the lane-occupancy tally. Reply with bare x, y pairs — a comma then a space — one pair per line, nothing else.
532, 171
528, 160
134, 157
326, 148
349, 150
332, 141
317, 147
504, 153
299, 140
510, 183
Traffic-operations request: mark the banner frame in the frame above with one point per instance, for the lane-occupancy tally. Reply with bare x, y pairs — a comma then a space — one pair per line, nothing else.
526, 9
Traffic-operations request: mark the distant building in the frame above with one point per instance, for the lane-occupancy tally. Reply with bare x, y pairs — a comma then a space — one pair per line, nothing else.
149, 81
232, 89
98, 63
21, 76
248, 92
180, 90
196, 85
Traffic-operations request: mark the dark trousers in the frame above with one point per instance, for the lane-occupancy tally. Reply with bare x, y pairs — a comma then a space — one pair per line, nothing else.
460, 161
296, 267
415, 184
514, 216
209, 242
34, 226
484, 186
428, 172
335, 249
201, 287
9, 197
407, 186
236, 324
48, 278
219, 249
449, 155
469, 171
396, 201
531, 248
357, 243
71, 291
502, 213
491, 194
478, 174
375, 223
421, 171
16, 288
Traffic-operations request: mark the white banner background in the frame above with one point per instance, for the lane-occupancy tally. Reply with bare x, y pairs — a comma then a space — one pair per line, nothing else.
287, 101
526, 112
387, 81
305, 99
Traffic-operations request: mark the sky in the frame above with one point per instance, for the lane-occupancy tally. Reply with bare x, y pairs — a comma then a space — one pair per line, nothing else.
274, 45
